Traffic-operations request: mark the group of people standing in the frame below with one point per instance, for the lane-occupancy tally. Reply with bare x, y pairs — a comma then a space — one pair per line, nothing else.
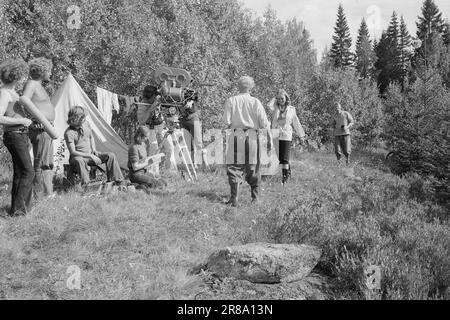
20, 129
241, 112
244, 112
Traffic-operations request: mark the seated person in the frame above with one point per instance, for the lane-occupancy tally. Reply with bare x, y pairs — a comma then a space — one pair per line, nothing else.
138, 161
83, 153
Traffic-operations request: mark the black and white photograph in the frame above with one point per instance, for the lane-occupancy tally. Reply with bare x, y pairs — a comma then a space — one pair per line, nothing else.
225, 155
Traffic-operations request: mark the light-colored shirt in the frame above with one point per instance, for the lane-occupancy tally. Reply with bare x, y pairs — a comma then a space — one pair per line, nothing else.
80, 138
14, 109
245, 112
341, 120
286, 122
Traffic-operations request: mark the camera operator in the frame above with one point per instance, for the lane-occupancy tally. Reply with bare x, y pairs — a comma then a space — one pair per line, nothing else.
149, 113
190, 121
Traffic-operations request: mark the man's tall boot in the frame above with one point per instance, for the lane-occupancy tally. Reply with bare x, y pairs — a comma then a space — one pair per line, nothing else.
234, 191
255, 193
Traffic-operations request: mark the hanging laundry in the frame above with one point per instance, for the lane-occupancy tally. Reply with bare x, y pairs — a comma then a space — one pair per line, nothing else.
127, 103
106, 104
115, 102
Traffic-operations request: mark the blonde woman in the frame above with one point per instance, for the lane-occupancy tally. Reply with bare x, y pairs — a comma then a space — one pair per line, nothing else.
15, 137
285, 121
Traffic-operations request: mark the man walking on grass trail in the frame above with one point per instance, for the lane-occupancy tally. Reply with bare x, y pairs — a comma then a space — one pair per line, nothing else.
342, 123
35, 94
246, 113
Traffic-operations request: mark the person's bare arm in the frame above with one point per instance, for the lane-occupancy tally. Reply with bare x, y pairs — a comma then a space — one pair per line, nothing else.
5, 120
28, 93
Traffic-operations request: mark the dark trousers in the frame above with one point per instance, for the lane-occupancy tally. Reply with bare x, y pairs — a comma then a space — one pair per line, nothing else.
342, 145
238, 172
21, 191
284, 152
145, 179
81, 165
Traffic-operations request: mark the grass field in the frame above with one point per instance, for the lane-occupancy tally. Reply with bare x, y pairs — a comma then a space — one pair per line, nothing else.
141, 246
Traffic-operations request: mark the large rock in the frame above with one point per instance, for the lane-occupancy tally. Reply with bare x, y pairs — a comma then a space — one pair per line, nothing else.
264, 263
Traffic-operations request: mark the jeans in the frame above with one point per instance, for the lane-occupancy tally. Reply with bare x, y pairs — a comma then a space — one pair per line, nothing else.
113, 172
21, 191
43, 162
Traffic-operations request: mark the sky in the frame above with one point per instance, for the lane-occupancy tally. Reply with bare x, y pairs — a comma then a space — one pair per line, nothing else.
319, 16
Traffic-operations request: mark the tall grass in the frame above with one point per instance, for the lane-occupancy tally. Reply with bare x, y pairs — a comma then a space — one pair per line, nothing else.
140, 246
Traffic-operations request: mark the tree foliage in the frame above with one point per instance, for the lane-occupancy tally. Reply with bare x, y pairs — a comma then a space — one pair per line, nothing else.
364, 55
340, 53
418, 130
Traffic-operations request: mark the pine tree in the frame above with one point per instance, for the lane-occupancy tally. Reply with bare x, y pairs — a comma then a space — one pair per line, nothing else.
382, 62
405, 49
430, 30
389, 55
364, 52
342, 41
431, 20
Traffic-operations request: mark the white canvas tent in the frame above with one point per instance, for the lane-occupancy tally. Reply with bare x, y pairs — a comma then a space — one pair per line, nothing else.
106, 139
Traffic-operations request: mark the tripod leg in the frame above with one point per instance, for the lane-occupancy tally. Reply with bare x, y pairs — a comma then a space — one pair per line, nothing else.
180, 150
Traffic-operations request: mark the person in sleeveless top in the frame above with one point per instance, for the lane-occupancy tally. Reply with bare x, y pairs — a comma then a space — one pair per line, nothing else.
15, 136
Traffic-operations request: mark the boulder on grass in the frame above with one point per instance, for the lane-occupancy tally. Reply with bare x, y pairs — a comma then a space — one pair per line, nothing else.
264, 263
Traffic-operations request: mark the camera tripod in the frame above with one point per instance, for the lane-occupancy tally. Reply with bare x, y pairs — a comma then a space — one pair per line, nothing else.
181, 147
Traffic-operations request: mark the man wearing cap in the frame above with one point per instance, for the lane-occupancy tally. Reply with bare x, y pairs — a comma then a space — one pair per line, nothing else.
245, 113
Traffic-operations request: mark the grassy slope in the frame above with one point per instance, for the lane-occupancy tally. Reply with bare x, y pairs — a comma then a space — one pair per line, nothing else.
139, 246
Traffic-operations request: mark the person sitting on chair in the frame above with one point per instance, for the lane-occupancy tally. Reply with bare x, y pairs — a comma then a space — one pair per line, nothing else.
82, 149
139, 161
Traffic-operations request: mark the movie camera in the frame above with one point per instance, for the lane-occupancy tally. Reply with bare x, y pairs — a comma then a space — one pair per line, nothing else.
173, 88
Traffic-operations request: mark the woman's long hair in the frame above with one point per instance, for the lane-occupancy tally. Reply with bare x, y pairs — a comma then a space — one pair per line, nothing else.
286, 96
76, 116
13, 70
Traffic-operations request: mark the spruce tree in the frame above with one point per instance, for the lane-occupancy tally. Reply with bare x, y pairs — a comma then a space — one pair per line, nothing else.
406, 53
431, 20
383, 59
431, 31
340, 50
364, 52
